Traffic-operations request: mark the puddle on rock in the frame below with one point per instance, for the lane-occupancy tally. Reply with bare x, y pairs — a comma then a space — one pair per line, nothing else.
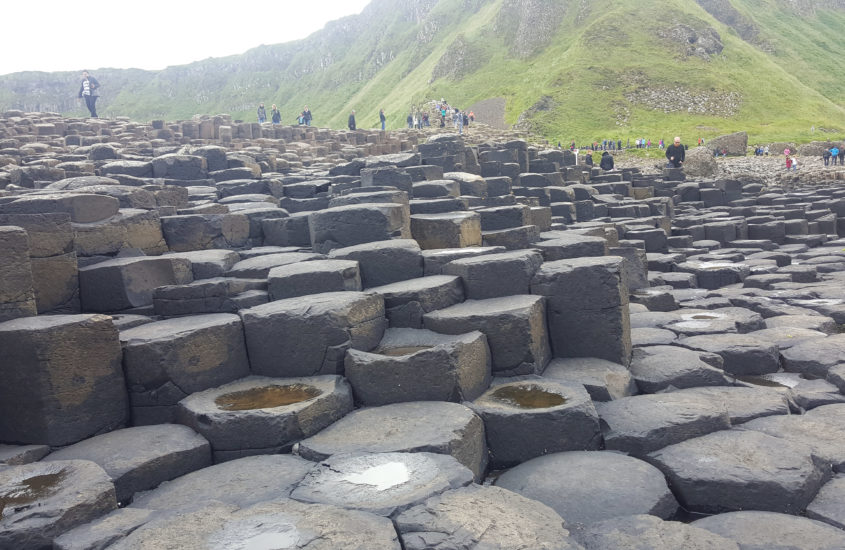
382, 477
702, 316
29, 490
529, 396
271, 541
266, 397
762, 381
396, 352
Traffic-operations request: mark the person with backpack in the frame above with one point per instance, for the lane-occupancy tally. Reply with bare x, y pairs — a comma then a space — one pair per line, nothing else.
90, 91
606, 162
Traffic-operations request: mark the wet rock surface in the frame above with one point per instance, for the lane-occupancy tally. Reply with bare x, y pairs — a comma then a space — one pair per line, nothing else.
351, 296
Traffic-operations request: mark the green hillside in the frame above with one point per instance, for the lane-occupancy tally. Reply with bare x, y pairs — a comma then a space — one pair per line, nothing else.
567, 69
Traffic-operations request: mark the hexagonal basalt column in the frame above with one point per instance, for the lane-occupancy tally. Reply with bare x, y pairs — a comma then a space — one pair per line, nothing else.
62, 380
420, 365
515, 327
527, 419
260, 415
309, 335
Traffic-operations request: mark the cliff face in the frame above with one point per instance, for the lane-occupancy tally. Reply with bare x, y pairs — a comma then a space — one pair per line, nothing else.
562, 67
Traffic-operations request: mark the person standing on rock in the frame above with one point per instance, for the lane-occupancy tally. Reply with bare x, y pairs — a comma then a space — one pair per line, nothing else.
351, 121
841, 156
262, 114
826, 157
676, 154
90, 91
382, 118
606, 162
275, 115
834, 153
306, 116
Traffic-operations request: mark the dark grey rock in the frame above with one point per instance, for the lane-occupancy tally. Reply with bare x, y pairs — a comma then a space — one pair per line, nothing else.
62, 380
514, 325
476, 518
309, 335
741, 470
384, 483
42, 500
603, 379
420, 365
424, 426
531, 418
261, 415
644, 532
754, 530
585, 487
641, 424
140, 458
242, 482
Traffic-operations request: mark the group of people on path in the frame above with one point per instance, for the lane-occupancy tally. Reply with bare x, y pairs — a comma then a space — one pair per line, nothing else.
831, 154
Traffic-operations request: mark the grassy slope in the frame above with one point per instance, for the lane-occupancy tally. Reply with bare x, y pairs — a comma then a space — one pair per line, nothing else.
593, 62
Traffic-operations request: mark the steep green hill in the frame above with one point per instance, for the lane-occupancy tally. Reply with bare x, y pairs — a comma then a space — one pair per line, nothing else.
567, 69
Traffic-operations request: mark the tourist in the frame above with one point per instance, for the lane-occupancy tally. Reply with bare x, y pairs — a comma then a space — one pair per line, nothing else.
826, 157
841, 156
351, 122
410, 120
306, 116
275, 115
794, 164
788, 162
90, 91
466, 119
606, 162
675, 154
301, 119
382, 118
766, 150
459, 121
588, 160
262, 114
786, 152
425, 120
471, 116
834, 154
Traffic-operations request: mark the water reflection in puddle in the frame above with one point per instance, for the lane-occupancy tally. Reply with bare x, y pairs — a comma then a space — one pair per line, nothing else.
382, 477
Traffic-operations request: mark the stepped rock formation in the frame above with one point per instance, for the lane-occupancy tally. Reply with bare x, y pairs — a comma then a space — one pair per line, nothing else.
219, 333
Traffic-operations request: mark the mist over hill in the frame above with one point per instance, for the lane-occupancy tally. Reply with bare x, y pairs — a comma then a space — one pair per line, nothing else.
566, 69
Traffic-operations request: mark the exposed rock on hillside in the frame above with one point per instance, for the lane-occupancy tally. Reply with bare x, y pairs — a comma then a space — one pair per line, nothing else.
735, 144
703, 43
530, 25
546, 103
679, 100
726, 13
461, 58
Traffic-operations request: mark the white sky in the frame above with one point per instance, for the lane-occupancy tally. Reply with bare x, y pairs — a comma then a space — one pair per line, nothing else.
61, 35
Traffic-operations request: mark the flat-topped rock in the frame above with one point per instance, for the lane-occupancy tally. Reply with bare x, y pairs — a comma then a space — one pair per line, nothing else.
755, 530
384, 483
482, 517
42, 500
424, 426
140, 458
591, 486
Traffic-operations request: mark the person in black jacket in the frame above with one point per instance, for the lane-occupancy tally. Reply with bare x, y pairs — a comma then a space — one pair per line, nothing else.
606, 161
588, 160
676, 154
306, 116
382, 118
90, 91
351, 122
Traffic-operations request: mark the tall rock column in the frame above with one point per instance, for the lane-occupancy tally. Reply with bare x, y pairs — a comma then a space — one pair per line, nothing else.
17, 294
587, 307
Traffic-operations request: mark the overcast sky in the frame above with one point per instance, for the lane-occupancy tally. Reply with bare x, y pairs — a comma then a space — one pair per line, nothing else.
60, 35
